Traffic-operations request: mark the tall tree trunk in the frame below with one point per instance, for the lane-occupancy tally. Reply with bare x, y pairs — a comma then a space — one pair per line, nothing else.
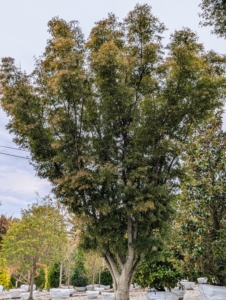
93, 275
122, 270
122, 279
32, 278
68, 277
123, 287
61, 272
99, 276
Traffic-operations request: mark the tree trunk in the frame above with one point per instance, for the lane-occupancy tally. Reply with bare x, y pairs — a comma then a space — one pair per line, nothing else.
61, 272
123, 268
93, 275
68, 278
32, 278
99, 276
122, 287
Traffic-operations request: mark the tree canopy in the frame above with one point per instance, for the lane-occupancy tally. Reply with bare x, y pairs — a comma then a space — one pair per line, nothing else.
202, 229
105, 121
214, 14
34, 241
4, 226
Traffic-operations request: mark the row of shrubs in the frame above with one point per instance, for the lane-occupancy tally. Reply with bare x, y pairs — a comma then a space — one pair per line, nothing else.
78, 278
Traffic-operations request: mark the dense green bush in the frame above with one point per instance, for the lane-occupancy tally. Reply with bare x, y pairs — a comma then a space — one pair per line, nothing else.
158, 271
78, 280
79, 274
54, 275
4, 276
4, 279
105, 277
40, 279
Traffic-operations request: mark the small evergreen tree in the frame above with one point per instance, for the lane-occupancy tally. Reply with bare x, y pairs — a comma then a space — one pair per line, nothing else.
54, 275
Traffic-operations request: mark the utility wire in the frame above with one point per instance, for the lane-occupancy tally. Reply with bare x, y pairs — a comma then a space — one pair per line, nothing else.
14, 155
13, 148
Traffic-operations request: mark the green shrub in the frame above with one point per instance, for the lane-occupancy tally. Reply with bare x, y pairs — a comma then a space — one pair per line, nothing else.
40, 279
105, 277
158, 271
79, 274
78, 280
54, 275
4, 276
4, 279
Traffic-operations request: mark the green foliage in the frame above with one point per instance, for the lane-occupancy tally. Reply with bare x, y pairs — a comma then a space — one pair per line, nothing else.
202, 230
54, 275
214, 14
79, 275
158, 271
40, 279
4, 274
107, 121
106, 278
4, 225
78, 280
4, 279
34, 241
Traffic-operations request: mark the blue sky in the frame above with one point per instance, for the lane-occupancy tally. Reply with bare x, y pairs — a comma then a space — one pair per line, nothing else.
23, 35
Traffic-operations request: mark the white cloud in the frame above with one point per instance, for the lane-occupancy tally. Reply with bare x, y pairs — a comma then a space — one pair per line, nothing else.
20, 181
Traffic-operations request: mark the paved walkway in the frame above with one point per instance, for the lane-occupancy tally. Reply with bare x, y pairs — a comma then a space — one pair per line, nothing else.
134, 295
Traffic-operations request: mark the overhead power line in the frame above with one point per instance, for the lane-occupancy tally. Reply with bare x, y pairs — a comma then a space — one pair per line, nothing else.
14, 155
13, 148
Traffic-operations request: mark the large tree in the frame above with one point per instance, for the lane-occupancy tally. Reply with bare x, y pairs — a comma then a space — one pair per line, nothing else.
106, 121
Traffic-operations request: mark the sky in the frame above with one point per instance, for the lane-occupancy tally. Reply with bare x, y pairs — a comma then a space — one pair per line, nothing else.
23, 36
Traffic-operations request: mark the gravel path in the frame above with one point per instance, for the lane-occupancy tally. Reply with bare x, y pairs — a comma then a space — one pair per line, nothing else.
134, 295
193, 294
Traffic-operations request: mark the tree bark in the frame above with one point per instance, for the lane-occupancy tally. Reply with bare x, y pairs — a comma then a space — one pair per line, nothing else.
122, 270
68, 278
32, 278
93, 277
61, 271
123, 286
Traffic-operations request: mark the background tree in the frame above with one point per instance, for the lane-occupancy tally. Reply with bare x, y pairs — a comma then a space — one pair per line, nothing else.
79, 274
214, 14
68, 259
5, 223
4, 226
106, 122
93, 264
203, 235
34, 241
